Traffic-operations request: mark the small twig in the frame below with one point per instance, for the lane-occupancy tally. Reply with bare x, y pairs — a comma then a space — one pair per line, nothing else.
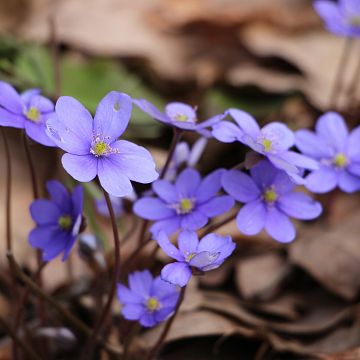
261, 352
157, 347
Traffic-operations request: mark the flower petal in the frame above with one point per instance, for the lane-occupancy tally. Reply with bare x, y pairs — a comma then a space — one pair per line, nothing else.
353, 148
151, 110
312, 145
41, 235
112, 115
125, 295
204, 259
226, 131
166, 191
7, 118
188, 242
299, 160
162, 289
188, 182
148, 319
58, 192
80, 167
54, 247
348, 182
43, 104
44, 212
216, 206
152, 209
140, 282
168, 248
175, 109
170, 226
193, 221
251, 217
9, 98
132, 311
263, 174
283, 137
246, 122
323, 180
177, 273
209, 186
279, 226
38, 133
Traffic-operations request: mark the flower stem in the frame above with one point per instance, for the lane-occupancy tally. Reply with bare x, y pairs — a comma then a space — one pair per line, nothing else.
107, 309
335, 92
157, 347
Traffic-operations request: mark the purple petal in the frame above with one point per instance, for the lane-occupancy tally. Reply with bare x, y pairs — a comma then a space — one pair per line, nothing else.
112, 115
216, 206
41, 235
211, 122
112, 178
348, 183
133, 311
80, 167
152, 209
28, 94
168, 247
299, 206
188, 242
264, 174
10, 99
312, 145
283, 164
251, 217
300, 160
12, 120
193, 221
44, 212
151, 110
54, 247
140, 282
332, 128
226, 132
162, 289
353, 148
240, 186
209, 186
354, 168
188, 182
134, 161
38, 133
43, 104
58, 193
162, 314
282, 183
283, 137
327, 9
170, 226
196, 151
246, 122
323, 180
177, 273
166, 191
78, 199
69, 245
148, 319
350, 7
176, 110
279, 226
204, 259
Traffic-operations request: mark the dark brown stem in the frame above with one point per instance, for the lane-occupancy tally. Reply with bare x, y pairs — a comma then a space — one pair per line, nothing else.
335, 92
217, 225
107, 309
157, 347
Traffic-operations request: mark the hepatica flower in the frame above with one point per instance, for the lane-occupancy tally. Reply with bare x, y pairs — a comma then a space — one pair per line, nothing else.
188, 204
342, 17
204, 255
58, 220
148, 300
92, 146
28, 111
179, 115
337, 151
272, 141
270, 199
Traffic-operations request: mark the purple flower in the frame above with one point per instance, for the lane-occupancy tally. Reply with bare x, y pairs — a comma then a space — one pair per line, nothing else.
148, 300
58, 220
179, 115
92, 146
341, 18
270, 200
188, 204
204, 255
337, 152
272, 141
28, 111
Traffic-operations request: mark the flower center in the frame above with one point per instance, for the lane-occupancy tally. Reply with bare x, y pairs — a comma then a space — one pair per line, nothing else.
65, 222
340, 160
270, 196
181, 117
190, 256
100, 148
33, 114
153, 304
186, 205
267, 144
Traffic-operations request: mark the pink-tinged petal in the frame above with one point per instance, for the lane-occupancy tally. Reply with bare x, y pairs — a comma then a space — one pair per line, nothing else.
188, 242
312, 145
187, 183
135, 162
112, 115
323, 180
193, 221
166, 191
177, 273
332, 128
132, 311
170, 226
240, 186
37, 132
209, 186
152, 209
226, 132
204, 259
10, 99
251, 217
216, 206
246, 122
151, 110
45, 212
278, 226
74, 117
299, 206
12, 120
353, 148
283, 137
112, 178
168, 248
349, 183
80, 167
140, 283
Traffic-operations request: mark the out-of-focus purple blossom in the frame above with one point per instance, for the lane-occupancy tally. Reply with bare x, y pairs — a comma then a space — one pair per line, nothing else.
58, 220
341, 18
179, 115
204, 255
183, 155
270, 200
188, 204
149, 300
272, 141
92, 146
336, 150
28, 111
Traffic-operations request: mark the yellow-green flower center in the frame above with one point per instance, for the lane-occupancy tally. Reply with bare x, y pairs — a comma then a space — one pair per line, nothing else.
65, 222
340, 160
186, 205
152, 304
190, 256
267, 144
100, 148
33, 114
270, 196
181, 117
